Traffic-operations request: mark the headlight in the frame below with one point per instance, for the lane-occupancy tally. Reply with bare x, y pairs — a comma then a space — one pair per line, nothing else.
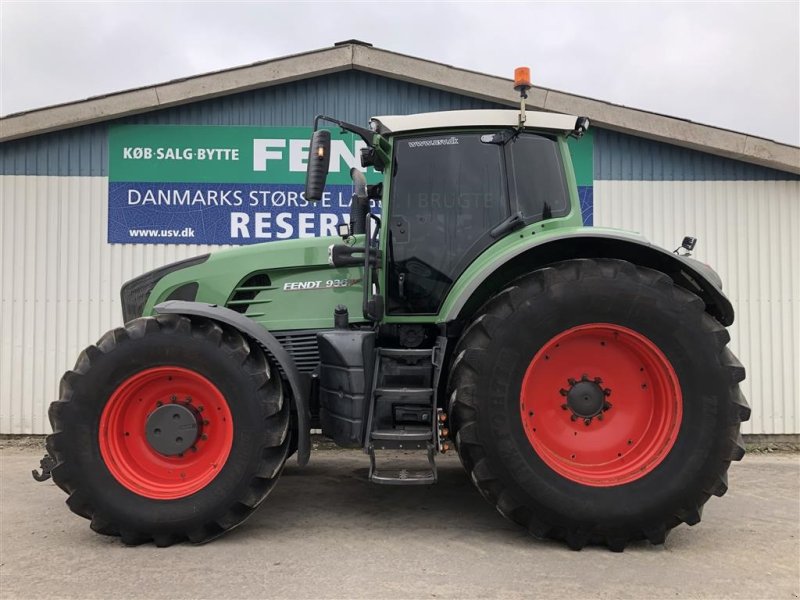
134, 293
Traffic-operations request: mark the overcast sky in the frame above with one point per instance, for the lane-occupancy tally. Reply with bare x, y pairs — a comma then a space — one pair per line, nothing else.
733, 65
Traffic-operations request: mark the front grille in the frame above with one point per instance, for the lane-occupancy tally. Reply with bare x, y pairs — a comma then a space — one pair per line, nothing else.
302, 347
134, 293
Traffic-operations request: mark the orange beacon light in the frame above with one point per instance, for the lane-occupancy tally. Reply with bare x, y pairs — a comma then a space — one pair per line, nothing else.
522, 79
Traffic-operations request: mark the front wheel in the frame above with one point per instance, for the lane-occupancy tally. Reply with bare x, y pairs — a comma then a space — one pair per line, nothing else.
596, 402
169, 429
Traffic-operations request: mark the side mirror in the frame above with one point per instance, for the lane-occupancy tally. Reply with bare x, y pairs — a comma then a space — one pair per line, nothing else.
581, 126
689, 243
319, 158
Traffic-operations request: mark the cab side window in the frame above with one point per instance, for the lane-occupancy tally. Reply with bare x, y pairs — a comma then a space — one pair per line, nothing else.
537, 178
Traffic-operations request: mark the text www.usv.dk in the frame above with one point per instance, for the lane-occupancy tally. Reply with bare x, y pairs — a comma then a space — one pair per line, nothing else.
186, 232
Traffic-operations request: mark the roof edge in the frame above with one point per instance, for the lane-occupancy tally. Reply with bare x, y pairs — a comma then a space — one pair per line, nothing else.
650, 125
176, 92
360, 56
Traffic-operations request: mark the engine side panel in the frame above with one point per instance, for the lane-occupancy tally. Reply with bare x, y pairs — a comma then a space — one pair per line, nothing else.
286, 285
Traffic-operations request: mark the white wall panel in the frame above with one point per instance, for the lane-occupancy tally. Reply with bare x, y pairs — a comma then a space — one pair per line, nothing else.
60, 280
59, 286
749, 231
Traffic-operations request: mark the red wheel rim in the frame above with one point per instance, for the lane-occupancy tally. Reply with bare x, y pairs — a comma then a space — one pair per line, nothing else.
125, 448
626, 380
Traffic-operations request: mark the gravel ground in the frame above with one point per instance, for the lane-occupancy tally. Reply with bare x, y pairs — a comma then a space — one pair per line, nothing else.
327, 533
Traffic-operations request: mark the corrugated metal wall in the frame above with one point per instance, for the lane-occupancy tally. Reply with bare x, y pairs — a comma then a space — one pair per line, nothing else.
59, 286
746, 218
748, 231
60, 279
625, 157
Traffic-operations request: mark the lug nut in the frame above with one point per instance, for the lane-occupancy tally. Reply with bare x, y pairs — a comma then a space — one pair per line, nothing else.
442, 417
445, 432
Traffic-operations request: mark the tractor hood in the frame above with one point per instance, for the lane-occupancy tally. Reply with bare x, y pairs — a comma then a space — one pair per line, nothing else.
264, 281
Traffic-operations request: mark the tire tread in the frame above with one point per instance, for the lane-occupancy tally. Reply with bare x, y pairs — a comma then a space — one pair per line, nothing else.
464, 375
275, 443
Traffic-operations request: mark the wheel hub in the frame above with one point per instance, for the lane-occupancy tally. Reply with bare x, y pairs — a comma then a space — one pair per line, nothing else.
172, 429
586, 399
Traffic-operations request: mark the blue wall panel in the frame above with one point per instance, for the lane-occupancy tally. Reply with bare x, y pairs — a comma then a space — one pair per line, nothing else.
618, 156
353, 96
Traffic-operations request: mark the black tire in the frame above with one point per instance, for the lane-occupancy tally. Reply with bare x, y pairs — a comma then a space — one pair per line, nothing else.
490, 361
259, 410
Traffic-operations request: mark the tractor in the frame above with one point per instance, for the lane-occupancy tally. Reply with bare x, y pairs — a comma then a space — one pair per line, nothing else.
581, 374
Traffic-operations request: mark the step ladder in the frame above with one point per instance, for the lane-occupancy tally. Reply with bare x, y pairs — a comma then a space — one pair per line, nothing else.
403, 415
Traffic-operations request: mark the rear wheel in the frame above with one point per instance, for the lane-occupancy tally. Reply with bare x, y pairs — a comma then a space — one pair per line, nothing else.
596, 402
169, 429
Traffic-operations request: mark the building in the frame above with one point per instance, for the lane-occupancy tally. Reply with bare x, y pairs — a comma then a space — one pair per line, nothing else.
62, 265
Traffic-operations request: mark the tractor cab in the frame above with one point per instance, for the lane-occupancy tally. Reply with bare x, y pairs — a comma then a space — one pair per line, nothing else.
454, 183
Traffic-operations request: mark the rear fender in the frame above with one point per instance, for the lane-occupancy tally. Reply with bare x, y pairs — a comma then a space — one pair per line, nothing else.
479, 284
266, 340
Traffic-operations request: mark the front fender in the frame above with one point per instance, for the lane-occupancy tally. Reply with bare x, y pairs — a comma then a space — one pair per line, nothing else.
529, 252
267, 341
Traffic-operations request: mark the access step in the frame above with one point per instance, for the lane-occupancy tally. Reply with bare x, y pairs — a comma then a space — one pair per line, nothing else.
403, 475
405, 352
404, 391
403, 435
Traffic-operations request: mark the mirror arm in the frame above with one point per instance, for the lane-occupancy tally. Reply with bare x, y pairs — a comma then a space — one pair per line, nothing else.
362, 132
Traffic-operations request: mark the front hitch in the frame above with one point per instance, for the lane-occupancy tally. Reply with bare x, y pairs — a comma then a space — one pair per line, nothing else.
46, 465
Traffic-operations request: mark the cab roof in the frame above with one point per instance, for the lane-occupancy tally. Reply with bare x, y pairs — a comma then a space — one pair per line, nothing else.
473, 118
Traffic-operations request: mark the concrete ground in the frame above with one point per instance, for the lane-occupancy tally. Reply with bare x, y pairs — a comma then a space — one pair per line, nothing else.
326, 533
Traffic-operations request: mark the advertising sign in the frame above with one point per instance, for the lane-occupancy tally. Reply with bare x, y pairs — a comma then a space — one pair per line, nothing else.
181, 184
221, 185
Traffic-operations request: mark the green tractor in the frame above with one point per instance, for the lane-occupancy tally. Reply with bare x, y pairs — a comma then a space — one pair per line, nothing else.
581, 374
